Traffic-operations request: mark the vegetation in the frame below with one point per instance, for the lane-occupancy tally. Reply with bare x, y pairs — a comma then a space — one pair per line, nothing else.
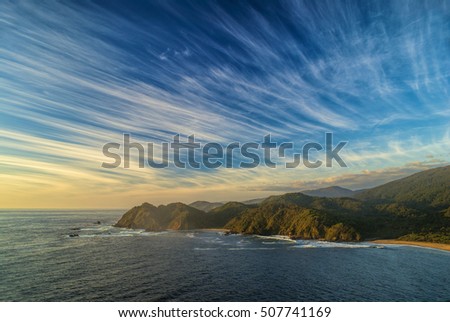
293, 221
330, 192
416, 208
220, 216
428, 190
173, 216
442, 237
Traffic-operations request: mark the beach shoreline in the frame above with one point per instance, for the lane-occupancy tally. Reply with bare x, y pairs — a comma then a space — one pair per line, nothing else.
445, 247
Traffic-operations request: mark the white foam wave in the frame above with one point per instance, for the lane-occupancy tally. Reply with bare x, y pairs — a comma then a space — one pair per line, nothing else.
101, 228
118, 232
250, 248
279, 238
204, 249
325, 244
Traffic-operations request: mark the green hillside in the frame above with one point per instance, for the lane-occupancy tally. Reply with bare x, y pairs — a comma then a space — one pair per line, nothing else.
173, 216
330, 192
220, 216
424, 190
414, 208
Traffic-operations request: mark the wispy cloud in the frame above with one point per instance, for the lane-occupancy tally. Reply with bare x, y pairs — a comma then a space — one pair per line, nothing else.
74, 76
359, 180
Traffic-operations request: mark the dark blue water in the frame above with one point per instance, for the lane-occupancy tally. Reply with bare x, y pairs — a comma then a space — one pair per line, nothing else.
39, 262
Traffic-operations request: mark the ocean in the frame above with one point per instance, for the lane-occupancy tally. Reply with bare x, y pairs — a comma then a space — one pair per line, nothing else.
40, 262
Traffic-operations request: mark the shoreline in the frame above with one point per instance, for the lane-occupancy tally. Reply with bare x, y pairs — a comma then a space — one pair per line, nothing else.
445, 247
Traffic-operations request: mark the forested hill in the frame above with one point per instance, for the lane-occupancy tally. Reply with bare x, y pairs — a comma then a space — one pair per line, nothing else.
416, 207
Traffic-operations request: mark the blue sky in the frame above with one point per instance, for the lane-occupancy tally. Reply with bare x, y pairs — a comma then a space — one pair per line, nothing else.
75, 75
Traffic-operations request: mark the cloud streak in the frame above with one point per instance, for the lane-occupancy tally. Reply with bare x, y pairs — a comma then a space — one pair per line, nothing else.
74, 76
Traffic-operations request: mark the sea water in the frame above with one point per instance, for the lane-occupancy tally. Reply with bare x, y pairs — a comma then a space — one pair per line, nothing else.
39, 261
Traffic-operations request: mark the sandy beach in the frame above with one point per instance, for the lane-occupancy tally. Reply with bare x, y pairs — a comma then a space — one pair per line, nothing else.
413, 243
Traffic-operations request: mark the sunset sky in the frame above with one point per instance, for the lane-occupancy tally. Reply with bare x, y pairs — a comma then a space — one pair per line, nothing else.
76, 75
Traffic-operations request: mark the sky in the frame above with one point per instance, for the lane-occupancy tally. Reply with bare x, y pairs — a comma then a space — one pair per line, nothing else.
75, 75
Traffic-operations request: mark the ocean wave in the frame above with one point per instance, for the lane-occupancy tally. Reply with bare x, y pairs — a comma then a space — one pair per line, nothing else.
325, 244
277, 238
213, 241
117, 232
250, 248
101, 228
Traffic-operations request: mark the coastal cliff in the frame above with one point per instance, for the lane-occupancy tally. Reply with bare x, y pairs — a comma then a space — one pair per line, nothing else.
414, 208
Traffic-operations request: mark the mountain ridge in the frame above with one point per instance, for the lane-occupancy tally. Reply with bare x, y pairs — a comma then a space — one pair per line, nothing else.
416, 207
330, 192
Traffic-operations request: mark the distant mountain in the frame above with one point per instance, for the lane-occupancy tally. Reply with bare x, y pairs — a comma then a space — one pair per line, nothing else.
208, 206
413, 208
330, 192
254, 201
426, 189
205, 205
